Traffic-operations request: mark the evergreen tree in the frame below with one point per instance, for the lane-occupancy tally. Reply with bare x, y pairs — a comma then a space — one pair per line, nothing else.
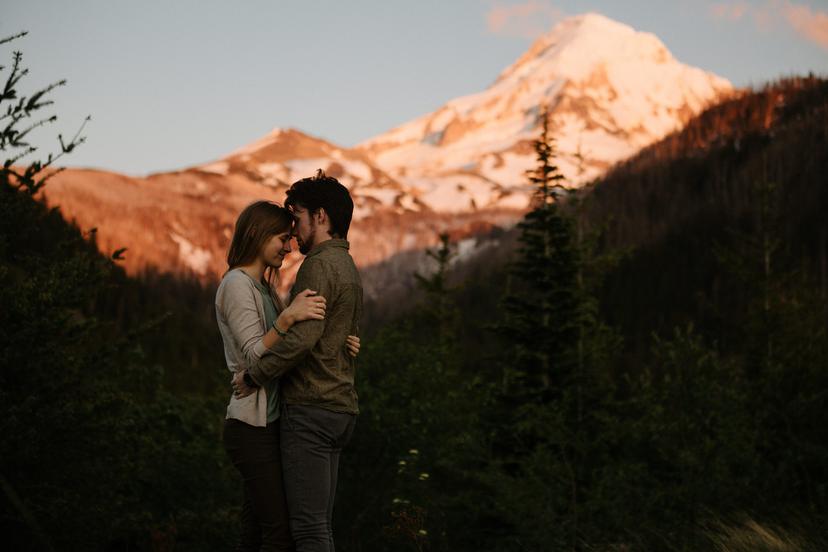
439, 305
541, 308
22, 116
687, 423
556, 387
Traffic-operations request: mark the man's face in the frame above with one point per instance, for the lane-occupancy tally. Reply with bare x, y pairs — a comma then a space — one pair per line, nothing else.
304, 230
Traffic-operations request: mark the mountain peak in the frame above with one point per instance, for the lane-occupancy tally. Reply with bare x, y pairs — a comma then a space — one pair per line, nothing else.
578, 43
595, 19
262, 142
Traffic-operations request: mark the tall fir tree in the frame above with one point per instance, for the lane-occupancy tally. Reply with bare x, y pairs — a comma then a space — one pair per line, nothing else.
439, 305
542, 296
556, 386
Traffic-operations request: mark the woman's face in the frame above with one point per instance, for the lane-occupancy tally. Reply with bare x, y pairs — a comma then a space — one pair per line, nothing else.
275, 248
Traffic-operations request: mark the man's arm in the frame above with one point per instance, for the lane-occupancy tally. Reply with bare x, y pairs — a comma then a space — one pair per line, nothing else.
302, 336
237, 308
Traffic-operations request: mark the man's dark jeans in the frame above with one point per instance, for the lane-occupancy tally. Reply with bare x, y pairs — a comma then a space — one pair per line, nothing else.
312, 440
256, 454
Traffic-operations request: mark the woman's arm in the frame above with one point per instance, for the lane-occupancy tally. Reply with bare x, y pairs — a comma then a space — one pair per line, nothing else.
237, 305
305, 306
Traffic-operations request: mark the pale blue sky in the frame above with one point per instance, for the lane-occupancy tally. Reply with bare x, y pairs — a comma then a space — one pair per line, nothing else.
173, 83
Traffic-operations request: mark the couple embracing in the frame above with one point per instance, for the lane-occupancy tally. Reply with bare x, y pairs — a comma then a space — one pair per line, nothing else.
294, 404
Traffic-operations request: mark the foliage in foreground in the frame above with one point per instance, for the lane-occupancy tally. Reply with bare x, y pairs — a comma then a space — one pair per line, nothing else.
96, 453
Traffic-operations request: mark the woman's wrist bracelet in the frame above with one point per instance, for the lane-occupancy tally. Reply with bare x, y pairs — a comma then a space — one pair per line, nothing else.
280, 331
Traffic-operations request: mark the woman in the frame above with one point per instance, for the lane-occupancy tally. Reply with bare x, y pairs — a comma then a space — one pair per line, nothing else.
251, 319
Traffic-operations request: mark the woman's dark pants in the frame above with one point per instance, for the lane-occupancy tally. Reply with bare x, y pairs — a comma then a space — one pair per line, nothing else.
255, 451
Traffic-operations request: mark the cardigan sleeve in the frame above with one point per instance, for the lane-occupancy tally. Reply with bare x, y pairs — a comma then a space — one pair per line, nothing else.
237, 305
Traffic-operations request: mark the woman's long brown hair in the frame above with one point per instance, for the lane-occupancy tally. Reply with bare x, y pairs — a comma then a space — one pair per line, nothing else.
255, 225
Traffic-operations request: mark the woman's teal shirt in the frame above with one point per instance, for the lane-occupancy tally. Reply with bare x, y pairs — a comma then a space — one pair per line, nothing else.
271, 387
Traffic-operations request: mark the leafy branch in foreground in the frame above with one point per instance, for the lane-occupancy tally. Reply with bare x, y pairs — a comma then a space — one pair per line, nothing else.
19, 117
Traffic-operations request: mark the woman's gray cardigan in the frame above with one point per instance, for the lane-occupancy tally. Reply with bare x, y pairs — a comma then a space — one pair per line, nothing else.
241, 321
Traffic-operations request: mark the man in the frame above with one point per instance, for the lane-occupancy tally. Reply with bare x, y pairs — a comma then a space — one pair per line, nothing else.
319, 399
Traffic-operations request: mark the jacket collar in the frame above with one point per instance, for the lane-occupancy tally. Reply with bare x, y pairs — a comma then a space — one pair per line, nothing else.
327, 244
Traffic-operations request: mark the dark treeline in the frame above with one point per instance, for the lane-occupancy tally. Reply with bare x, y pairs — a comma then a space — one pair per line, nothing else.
681, 200
649, 373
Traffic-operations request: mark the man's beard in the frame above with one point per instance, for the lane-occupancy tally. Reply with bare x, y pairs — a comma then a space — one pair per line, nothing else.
307, 245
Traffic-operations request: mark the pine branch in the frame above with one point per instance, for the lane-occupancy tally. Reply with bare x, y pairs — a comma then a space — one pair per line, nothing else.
13, 37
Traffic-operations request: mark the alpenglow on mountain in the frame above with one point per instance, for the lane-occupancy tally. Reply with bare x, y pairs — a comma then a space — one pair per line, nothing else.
610, 90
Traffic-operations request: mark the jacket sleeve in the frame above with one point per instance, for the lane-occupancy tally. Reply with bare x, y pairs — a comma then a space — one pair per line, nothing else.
237, 305
289, 351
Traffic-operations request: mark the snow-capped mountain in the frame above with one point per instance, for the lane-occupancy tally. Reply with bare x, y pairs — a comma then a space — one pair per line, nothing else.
610, 90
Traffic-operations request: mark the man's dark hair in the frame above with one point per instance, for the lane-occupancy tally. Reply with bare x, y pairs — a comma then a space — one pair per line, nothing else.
325, 192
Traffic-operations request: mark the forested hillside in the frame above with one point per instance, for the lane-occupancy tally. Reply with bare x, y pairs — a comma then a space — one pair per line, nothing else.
649, 373
746, 179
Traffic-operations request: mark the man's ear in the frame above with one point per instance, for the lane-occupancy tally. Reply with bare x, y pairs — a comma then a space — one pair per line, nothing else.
321, 216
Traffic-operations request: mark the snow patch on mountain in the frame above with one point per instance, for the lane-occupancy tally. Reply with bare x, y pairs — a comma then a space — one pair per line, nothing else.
193, 257
219, 167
